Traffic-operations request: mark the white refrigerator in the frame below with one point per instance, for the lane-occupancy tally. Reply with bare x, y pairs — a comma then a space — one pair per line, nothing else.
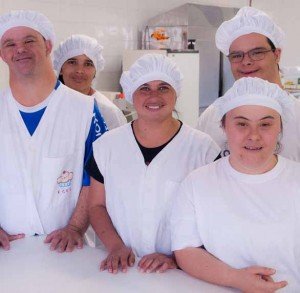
187, 104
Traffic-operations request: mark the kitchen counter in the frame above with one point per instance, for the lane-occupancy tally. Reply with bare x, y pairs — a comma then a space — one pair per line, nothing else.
29, 266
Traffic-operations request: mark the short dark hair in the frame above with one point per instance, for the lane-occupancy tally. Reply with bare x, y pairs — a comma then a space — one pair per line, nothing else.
61, 79
271, 44
273, 48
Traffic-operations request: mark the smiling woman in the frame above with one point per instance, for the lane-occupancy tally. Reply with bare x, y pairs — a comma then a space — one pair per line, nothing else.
238, 207
155, 100
252, 133
78, 73
137, 169
77, 61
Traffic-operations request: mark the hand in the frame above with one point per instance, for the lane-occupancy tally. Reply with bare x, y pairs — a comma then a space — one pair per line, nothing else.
5, 238
257, 280
121, 256
65, 239
156, 262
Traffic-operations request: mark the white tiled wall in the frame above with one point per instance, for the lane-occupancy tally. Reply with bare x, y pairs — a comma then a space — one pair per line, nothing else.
117, 24
286, 13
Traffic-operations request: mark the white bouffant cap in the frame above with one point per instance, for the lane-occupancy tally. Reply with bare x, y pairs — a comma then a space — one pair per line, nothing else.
255, 91
77, 45
248, 20
28, 18
151, 67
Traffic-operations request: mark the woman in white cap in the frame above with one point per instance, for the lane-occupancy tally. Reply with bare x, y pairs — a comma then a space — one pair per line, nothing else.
76, 61
253, 44
244, 208
138, 168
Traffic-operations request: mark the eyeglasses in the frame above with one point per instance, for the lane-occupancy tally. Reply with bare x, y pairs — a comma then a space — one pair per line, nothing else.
254, 55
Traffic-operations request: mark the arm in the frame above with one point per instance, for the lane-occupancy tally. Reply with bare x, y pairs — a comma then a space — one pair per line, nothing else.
202, 265
118, 253
71, 236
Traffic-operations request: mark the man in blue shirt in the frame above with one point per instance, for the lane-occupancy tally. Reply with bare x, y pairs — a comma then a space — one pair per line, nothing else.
47, 132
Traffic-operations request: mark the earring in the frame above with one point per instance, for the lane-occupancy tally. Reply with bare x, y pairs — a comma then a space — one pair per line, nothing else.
225, 152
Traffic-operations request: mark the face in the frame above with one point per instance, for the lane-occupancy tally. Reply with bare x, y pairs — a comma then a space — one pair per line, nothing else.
78, 73
154, 100
252, 133
266, 68
25, 51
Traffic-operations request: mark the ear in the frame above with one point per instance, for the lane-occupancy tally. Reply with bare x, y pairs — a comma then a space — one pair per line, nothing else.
277, 54
49, 47
1, 56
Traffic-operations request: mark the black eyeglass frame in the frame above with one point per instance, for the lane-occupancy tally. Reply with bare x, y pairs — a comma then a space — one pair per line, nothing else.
261, 51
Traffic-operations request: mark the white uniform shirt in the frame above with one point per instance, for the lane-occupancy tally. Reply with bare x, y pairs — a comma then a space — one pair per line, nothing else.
139, 197
112, 115
41, 175
244, 220
208, 122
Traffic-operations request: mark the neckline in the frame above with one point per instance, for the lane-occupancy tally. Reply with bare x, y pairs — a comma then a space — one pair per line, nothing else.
254, 178
157, 147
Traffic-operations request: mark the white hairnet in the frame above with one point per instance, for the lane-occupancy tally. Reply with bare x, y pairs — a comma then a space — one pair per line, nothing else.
248, 20
28, 18
151, 67
77, 45
255, 91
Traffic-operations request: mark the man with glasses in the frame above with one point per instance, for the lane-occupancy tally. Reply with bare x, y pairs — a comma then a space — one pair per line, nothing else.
252, 42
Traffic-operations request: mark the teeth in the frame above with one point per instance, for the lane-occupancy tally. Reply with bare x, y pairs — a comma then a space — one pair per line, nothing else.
252, 148
153, 107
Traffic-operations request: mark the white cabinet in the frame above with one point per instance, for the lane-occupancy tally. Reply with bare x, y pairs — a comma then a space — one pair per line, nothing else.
187, 104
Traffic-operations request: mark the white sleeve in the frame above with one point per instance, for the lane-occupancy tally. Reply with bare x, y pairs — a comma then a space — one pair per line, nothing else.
115, 119
184, 232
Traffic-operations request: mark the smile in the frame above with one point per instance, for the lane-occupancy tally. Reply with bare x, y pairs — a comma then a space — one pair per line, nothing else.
252, 148
76, 79
249, 72
154, 107
23, 59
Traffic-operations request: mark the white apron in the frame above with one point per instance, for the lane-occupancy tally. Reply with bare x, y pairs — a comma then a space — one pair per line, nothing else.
41, 175
139, 197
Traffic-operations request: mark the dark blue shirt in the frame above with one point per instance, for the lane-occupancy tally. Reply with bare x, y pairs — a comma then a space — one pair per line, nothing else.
97, 128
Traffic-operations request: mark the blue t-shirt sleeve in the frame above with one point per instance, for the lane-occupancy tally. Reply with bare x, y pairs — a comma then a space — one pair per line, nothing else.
98, 127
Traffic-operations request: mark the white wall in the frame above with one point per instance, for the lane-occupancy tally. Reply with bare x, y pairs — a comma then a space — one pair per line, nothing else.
286, 14
117, 24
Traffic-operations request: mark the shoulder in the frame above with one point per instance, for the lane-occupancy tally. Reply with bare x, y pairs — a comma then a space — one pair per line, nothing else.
290, 166
196, 136
203, 178
206, 171
208, 117
103, 101
114, 137
4, 94
210, 110
111, 144
112, 115
209, 113
75, 98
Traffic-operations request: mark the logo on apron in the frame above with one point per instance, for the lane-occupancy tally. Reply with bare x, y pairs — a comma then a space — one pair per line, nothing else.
64, 182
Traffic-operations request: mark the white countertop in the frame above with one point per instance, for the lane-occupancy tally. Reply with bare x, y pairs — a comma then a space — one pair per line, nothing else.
30, 267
